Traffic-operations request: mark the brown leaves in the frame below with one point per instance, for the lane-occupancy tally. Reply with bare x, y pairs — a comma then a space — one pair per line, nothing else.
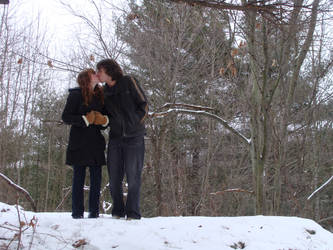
20, 61
231, 67
238, 245
234, 52
222, 71
132, 16
242, 45
233, 71
79, 243
33, 222
92, 58
231, 63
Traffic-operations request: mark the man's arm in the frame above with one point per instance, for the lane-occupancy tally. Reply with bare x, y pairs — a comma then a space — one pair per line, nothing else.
140, 99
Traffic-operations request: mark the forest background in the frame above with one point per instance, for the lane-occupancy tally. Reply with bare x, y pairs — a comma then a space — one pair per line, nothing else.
240, 95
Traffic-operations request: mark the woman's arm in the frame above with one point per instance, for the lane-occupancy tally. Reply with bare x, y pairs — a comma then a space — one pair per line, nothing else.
71, 114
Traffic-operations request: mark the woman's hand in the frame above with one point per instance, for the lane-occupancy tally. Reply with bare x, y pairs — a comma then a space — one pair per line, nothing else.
91, 117
100, 119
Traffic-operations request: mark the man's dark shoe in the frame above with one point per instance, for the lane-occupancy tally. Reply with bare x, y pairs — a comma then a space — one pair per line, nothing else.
77, 216
115, 216
93, 215
131, 218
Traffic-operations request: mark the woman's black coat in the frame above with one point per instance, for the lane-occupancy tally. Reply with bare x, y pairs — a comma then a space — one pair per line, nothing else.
86, 143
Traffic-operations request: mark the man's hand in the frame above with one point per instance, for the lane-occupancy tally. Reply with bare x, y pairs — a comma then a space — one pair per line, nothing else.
100, 119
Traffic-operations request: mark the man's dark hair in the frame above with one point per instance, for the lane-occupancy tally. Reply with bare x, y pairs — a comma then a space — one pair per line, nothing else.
111, 67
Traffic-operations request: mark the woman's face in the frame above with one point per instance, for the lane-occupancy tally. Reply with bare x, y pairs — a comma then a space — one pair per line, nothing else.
94, 80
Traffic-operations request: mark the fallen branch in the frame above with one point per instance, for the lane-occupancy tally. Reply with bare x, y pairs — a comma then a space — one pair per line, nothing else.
19, 189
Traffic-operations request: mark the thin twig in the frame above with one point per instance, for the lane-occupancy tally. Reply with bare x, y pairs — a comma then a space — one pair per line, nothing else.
20, 224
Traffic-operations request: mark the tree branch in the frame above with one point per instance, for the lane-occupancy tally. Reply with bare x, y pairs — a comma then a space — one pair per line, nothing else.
222, 5
318, 189
183, 105
19, 189
204, 113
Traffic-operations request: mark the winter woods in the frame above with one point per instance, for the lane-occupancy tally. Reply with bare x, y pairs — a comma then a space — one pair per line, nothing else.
240, 99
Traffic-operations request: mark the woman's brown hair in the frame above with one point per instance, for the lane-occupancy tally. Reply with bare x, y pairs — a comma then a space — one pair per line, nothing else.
83, 79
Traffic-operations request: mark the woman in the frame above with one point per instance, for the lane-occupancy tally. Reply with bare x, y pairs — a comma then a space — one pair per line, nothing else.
83, 111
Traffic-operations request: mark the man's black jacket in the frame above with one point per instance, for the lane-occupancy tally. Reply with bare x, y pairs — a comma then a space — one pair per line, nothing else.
127, 108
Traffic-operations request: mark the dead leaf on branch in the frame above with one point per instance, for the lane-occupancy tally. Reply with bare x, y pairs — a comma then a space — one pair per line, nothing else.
49, 63
20, 61
222, 71
92, 58
242, 44
33, 222
233, 71
234, 52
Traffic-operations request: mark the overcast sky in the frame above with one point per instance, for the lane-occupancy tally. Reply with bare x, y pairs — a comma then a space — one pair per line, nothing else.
59, 22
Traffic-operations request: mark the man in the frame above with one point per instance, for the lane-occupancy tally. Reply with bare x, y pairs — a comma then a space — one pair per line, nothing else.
127, 108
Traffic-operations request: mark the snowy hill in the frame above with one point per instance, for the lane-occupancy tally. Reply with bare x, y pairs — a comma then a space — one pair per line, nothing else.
60, 231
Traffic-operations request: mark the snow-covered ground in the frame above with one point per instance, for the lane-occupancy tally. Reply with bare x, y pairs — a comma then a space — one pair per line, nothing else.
60, 231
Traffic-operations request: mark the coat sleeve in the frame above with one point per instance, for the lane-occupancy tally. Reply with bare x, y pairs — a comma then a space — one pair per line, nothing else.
139, 98
104, 112
71, 114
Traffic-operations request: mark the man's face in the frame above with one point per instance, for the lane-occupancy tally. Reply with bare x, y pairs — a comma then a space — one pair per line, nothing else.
102, 76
